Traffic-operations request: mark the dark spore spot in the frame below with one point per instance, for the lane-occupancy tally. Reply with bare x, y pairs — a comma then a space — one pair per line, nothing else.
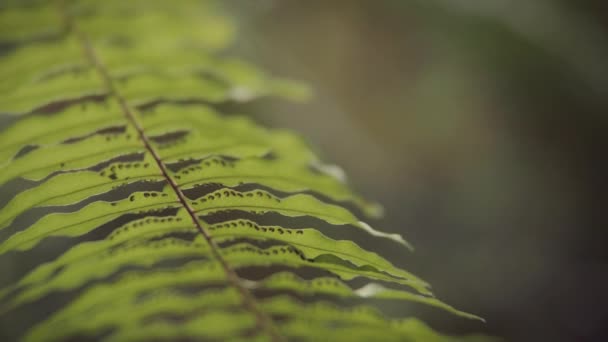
127, 158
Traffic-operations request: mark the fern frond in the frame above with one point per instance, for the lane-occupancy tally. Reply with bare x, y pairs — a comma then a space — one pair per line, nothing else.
134, 209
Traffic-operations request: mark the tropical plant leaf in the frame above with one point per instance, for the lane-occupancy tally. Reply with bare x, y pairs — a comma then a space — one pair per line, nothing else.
133, 209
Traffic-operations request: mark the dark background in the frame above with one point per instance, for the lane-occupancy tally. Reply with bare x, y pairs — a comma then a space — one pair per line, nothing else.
481, 125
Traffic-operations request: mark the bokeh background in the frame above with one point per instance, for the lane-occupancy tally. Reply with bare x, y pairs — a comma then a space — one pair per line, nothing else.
480, 125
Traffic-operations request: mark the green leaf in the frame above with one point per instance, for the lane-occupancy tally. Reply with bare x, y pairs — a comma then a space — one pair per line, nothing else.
134, 208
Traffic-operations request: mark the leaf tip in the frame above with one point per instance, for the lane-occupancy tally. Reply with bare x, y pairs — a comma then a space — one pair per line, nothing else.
394, 237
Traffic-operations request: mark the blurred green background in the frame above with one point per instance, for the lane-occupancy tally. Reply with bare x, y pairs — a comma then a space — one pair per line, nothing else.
482, 127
